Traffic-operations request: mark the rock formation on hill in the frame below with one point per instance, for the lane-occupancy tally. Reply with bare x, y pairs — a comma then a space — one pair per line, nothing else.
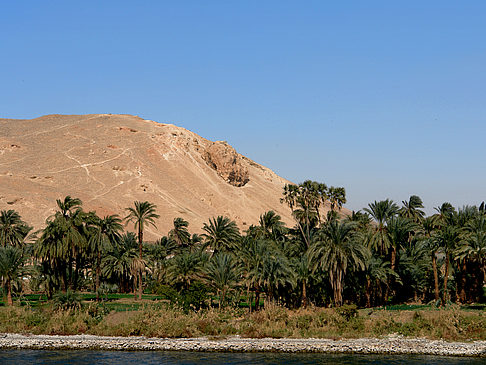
109, 161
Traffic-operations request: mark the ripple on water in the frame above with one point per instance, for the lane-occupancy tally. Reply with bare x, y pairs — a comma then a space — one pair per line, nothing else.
20, 357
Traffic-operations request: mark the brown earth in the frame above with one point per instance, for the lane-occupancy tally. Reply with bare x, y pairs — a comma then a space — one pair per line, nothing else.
109, 161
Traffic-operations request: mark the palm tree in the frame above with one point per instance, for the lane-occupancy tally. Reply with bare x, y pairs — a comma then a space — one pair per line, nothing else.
185, 267
222, 273
429, 227
377, 273
399, 230
117, 263
222, 234
180, 234
270, 226
303, 272
12, 229
106, 232
381, 212
473, 248
335, 250
448, 238
63, 241
11, 268
337, 197
412, 209
141, 215
68, 205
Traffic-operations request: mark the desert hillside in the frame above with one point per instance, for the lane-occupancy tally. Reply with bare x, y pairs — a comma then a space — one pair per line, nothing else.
109, 161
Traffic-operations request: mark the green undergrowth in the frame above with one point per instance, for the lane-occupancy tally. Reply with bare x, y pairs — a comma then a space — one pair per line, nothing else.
156, 319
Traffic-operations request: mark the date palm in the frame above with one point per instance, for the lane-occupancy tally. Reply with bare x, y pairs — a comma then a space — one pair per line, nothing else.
448, 238
117, 263
381, 212
141, 215
180, 234
338, 248
11, 268
222, 273
431, 245
412, 209
105, 232
221, 234
12, 229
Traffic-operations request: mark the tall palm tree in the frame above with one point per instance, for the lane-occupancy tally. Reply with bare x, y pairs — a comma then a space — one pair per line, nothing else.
429, 227
473, 248
105, 234
337, 197
222, 273
335, 250
141, 215
68, 205
448, 238
11, 268
12, 229
117, 263
303, 273
381, 212
412, 209
399, 230
63, 241
221, 234
271, 226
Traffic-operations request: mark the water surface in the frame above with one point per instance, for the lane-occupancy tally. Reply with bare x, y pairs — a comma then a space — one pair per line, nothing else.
76, 357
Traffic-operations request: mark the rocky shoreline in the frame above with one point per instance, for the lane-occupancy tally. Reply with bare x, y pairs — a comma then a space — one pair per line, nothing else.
388, 345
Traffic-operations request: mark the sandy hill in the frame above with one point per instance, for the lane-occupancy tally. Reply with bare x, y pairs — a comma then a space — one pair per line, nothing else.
109, 161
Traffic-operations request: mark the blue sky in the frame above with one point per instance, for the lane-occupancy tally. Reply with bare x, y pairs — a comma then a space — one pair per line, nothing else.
385, 98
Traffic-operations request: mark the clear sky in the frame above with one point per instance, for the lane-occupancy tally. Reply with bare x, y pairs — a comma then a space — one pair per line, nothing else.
385, 98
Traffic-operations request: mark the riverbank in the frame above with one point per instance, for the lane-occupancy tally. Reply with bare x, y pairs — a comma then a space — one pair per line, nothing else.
387, 345
159, 321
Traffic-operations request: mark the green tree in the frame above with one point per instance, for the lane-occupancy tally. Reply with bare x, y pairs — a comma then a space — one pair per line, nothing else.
335, 250
141, 215
13, 230
381, 212
221, 234
118, 261
222, 273
448, 238
105, 233
11, 268
412, 209
180, 234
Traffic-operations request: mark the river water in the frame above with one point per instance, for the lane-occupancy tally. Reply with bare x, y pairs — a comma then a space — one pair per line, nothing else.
76, 357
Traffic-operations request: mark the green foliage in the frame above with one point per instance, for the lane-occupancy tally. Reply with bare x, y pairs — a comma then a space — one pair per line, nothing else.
67, 301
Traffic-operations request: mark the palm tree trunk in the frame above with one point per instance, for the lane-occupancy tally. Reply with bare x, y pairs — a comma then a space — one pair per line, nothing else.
446, 278
368, 293
462, 292
436, 276
257, 299
304, 294
9, 293
98, 274
140, 243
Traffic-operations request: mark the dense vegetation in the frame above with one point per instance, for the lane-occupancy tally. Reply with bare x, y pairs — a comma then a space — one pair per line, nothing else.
383, 255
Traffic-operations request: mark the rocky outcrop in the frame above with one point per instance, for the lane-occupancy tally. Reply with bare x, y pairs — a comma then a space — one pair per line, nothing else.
227, 163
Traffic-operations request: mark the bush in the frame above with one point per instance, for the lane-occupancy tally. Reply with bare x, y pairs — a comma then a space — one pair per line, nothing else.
67, 301
347, 311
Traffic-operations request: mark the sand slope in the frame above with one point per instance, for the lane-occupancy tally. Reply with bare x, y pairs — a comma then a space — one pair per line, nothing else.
109, 161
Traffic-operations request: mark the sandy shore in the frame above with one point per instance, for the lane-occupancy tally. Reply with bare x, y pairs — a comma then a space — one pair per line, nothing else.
388, 345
